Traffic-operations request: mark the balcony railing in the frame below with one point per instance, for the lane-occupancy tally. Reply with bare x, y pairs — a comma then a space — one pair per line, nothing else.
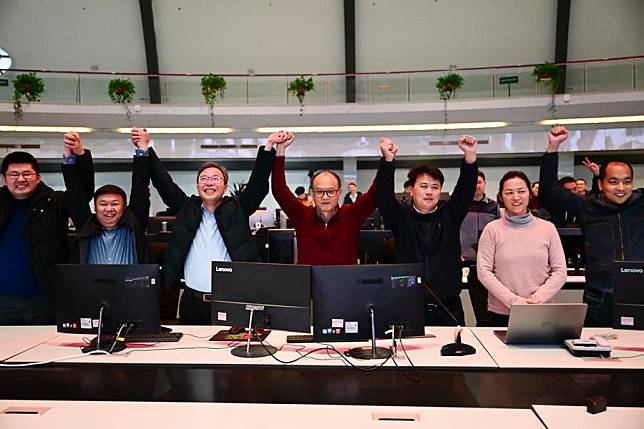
74, 87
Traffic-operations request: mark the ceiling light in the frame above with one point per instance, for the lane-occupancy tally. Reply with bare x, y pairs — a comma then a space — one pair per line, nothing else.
180, 130
35, 129
598, 120
381, 128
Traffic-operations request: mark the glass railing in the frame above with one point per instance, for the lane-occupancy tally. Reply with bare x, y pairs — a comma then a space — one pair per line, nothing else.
609, 75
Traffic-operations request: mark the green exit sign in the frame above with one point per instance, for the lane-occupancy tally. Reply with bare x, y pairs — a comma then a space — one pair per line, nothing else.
4, 82
506, 80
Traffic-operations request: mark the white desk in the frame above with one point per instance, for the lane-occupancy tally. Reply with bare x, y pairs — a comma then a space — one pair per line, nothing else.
627, 343
16, 339
568, 417
99, 415
194, 348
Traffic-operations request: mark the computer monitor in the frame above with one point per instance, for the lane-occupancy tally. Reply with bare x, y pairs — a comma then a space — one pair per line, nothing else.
258, 295
281, 246
628, 303
344, 295
126, 294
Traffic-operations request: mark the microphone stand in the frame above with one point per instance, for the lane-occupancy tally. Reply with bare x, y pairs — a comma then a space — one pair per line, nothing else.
457, 348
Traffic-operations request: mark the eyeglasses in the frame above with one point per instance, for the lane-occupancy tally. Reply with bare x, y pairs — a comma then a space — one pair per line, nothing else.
329, 192
214, 179
27, 175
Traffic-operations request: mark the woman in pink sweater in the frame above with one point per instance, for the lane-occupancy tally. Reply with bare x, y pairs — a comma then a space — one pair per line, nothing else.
520, 258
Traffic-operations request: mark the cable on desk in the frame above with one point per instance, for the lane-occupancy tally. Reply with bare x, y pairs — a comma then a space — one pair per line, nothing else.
22, 365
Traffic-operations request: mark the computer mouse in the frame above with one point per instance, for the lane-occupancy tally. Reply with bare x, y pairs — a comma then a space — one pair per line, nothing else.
457, 349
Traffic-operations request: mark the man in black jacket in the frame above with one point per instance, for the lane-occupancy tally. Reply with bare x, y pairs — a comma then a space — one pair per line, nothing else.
612, 222
115, 234
427, 231
210, 227
33, 234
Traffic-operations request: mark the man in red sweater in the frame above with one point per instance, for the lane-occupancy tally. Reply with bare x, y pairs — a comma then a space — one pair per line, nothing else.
327, 234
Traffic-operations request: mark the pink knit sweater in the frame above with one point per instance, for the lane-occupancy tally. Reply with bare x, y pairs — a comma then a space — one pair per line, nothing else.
517, 261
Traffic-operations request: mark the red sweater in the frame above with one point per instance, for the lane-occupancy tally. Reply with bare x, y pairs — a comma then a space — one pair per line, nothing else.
336, 242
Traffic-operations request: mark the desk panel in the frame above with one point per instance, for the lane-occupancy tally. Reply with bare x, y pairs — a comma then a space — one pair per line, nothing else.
194, 348
628, 351
566, 417
107, 415
16, 339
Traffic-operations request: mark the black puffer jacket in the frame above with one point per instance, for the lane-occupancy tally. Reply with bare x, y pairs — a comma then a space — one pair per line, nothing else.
135, 216
611, 232
231, 215
433, 238
46, 230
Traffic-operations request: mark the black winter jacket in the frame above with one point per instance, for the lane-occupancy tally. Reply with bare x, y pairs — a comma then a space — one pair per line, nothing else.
231, 215
431, 239
611, 232
135, 216
46, 230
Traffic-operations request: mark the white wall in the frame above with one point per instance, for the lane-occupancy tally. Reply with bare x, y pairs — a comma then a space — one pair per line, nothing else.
73, 34
423, 34
232, 36
601, 29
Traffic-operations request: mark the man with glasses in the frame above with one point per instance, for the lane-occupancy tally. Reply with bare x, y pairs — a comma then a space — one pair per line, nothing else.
209, 227
33, 233
327, 234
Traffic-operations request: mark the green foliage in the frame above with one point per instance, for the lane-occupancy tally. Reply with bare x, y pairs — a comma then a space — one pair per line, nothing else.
300, 86
211, 86
121, 91
448, 84
29, 86
548, 73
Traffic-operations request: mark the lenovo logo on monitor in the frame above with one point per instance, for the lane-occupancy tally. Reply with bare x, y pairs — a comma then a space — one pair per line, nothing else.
223, 269
631, 270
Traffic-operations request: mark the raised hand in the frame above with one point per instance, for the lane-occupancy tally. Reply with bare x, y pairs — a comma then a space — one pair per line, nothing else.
388, 149
594, 168
282, 139
556, 136
468, 145
73, 144
140, 138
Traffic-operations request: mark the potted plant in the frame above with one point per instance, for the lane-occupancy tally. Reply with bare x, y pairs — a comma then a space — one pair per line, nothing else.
548, 73
29, 86
237, 189
448, 84
122, 91
299, 87
211, 86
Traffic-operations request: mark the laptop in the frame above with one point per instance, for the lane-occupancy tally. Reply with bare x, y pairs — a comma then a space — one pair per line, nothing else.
628, 304
544, 323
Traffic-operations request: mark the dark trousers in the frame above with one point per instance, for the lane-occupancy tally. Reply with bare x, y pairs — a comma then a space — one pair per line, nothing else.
193, 311
495, 319
600, 307
435, 315
36, 310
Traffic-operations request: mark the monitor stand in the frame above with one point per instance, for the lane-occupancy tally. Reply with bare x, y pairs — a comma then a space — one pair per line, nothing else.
370, 352
109, 344
254, 350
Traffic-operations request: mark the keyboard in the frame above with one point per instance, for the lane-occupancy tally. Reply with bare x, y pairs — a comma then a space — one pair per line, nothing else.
299, 338
162, 337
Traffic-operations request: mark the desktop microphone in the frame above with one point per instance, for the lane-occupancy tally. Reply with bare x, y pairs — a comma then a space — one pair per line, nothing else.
457, 348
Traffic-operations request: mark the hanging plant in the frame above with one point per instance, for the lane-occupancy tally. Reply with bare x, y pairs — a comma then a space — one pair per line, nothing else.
548, 73
211, 87
448, 84
29, 86
299, 87
122, 91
